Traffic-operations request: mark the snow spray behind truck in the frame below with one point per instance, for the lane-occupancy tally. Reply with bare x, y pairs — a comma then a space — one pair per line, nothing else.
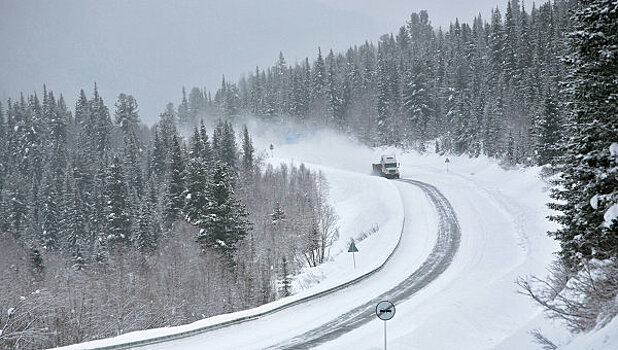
388, 167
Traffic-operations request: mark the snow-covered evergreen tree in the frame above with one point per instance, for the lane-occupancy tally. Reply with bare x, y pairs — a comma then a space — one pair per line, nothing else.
417, 100
102, 125
549, 132
174, 201
117, 209
51, 198
586, 188
224, 222
75, 240
128, 119
247, 151
148, 231
195, 194
184, 118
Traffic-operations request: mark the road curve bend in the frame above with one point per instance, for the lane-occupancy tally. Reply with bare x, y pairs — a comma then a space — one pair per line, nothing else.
438, 260
441, 256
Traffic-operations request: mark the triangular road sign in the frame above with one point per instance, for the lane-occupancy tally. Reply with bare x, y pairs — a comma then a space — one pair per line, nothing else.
352, 248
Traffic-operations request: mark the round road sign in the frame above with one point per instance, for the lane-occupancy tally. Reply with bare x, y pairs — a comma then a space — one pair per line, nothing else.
385, 310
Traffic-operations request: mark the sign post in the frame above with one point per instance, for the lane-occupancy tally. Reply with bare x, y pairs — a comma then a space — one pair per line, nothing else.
385, 310
353, 250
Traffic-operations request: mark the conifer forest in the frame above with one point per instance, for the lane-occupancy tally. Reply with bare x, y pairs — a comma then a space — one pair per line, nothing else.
109, 225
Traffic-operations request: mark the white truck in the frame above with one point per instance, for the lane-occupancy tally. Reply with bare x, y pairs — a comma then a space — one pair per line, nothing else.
388, 167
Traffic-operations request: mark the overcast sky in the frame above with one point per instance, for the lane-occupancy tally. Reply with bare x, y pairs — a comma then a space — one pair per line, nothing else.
151, 49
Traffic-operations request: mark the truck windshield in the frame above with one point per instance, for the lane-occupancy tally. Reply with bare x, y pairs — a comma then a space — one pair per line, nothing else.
390, 165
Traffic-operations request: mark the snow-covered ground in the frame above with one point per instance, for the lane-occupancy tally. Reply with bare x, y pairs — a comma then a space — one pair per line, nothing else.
474, 304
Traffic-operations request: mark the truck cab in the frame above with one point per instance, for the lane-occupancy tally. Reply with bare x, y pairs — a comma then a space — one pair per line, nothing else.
388, 166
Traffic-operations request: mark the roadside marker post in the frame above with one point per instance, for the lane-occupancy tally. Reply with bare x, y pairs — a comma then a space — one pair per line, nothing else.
353, 250
447, 161
385, 310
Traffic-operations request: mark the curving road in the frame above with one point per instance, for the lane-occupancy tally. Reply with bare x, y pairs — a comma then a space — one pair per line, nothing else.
333, 325
437, 262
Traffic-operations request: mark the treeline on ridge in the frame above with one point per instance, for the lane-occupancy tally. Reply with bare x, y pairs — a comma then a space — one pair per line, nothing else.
482, 88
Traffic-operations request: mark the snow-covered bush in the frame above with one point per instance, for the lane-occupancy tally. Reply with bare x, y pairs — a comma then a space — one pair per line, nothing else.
584, 300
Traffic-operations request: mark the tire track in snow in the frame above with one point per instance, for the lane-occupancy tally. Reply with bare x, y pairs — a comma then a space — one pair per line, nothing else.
441, 256
518, 218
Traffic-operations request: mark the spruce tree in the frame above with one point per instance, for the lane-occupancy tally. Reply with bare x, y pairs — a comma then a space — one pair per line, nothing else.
195, 144
184, 118
195, 194
50, 212
57, 120
306, 92
98, 211
82, 112
417, 100
224, 222
102, 125
174, 201
319, 77
278, 215
586, 188
118, 214
510, 42
18, 206
257, 94
128, 119
383, 101
197, 102
147, 232
281, 85
126, 113
224, 144
159, 155
34, 152
497, 42
491, 127
206, 152
74, 222
549, 132
247, 151
286, 280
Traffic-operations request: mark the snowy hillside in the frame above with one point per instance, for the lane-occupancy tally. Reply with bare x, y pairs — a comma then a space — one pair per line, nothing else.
249, 213
474, 304
503, 215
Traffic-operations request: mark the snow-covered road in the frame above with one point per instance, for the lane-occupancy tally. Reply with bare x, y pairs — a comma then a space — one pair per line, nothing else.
325, 317
472, 304
423, 249
446, 245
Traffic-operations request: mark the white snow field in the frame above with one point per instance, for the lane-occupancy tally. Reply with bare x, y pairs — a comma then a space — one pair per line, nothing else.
473, 304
